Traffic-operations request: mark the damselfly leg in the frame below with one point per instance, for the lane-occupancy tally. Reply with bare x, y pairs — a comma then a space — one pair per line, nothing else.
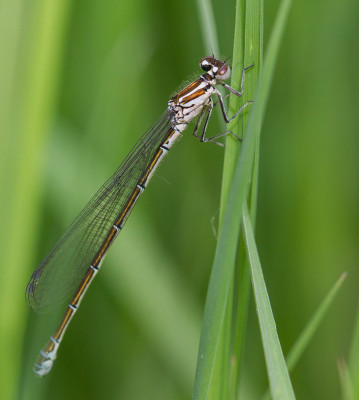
207, 110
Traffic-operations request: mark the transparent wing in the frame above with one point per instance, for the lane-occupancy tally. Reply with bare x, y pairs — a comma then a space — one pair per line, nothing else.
62, 270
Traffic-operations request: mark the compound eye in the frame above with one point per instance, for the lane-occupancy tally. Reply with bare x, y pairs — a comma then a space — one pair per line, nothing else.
224, 72
206, 66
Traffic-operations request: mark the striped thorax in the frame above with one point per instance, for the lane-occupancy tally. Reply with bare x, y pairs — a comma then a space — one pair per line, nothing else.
189, 102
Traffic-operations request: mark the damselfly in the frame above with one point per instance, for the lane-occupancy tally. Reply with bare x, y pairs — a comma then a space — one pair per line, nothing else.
76, 258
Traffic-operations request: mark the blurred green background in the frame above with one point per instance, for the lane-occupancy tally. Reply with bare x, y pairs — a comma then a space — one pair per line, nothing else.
79, 83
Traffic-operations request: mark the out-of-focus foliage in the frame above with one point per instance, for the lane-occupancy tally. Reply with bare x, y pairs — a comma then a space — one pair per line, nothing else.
79, 83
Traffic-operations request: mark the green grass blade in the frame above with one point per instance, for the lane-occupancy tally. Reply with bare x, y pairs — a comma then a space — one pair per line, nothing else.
279, 381
220, 378
222, 270
220, 368
208, 27
354, 357
306, 336
345, 381
247, 50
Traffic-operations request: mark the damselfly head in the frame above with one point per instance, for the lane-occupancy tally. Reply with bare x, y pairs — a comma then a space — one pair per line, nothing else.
218, 69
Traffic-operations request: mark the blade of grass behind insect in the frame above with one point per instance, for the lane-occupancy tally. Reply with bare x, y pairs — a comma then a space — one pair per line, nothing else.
247, 50
345, 380
252, 15
279, 381
303, 340
222, 270
219, 382
305, 337
354, 357
208, 27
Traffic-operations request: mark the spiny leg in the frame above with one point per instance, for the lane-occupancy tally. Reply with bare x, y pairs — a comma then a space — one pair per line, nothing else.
207, 110
206, 114
236, 93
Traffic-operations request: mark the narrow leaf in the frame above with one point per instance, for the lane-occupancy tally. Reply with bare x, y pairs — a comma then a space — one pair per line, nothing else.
223, 264
279, 381
345, 380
